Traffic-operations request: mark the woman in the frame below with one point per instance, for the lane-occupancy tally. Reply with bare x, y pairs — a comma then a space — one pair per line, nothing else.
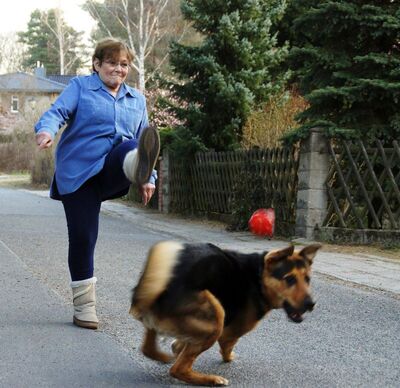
106, 145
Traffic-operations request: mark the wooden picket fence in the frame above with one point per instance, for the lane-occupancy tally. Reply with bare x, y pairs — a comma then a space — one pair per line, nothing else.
363, 185
208, 185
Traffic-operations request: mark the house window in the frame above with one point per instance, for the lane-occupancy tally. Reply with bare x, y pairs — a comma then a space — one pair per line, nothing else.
14, 104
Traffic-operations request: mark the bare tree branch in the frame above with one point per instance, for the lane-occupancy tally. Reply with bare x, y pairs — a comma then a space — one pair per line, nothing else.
157, 68
142, 22
96, 15
11, 53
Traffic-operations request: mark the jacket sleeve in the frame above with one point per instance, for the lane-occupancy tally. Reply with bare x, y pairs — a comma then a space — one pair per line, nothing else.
144, 122
61, 110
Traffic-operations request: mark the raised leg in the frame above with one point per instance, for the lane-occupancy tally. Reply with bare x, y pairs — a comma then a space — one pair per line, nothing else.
177, 346
151, 350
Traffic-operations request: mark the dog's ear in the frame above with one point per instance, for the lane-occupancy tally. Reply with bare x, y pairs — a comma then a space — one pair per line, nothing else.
309, 252
274, 257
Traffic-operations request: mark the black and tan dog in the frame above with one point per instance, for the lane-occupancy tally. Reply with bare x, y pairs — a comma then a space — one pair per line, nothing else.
200, 294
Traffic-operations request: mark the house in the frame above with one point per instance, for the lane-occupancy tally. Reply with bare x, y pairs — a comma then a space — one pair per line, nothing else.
23, 95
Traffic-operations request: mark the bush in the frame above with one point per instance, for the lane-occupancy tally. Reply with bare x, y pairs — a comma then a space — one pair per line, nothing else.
42, 167
16, 152
266, 127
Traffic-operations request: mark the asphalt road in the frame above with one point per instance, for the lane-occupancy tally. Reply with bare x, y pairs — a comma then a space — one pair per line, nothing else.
350, 340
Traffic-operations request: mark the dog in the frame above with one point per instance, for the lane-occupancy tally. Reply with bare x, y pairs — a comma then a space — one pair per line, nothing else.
200, 294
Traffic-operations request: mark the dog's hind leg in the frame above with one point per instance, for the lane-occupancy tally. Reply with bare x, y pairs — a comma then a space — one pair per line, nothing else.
150, 348
202, 330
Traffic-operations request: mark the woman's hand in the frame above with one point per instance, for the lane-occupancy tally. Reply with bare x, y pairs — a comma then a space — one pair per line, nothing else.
147, 191
44, 140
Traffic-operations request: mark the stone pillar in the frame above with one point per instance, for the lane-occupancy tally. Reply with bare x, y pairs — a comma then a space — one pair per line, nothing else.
163, 182
312, 196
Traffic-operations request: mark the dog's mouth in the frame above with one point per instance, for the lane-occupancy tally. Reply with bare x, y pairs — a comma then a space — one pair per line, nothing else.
295, 315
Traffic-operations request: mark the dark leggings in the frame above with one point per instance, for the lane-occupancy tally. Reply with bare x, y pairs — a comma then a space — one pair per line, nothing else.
82, 208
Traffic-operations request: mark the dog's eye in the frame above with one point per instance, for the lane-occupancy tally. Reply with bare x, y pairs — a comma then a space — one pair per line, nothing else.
307, 279
291, 280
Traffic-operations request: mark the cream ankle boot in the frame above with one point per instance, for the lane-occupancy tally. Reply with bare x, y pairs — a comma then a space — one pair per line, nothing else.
139, 163
84, 298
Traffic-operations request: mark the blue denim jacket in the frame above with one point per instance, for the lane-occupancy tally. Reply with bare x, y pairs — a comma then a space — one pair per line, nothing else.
96, 121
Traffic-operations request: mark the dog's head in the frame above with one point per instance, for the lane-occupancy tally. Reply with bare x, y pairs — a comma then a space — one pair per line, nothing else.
286, 280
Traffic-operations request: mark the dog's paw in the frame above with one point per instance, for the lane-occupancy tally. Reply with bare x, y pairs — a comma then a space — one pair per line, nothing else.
230, 357
219, 381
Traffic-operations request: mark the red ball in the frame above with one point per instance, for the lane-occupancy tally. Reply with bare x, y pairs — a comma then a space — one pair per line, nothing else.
262, 222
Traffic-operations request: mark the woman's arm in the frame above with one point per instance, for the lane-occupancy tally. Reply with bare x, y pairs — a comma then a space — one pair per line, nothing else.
60, 112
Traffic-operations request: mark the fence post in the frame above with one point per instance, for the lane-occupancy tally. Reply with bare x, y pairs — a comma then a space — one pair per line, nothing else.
312, 173
163, 181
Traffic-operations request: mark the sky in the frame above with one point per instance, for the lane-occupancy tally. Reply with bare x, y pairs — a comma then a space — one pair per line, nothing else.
15, 14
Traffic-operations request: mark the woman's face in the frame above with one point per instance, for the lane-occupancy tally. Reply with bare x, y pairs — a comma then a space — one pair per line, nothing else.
113, 72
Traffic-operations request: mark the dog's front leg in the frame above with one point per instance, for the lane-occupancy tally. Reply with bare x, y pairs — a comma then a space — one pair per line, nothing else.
201, 328
182, 369
226, 346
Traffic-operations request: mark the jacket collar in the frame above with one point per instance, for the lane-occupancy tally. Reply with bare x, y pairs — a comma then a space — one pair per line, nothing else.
96, 83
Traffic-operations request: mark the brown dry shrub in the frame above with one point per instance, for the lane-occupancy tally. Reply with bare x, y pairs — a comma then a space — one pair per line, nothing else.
16, 152
43, 167
19, 153
264, 128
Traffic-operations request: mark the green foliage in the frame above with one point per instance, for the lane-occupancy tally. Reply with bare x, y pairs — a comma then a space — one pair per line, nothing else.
235, 68
180, 142
284, 27
43, 44
36, 38
346, 58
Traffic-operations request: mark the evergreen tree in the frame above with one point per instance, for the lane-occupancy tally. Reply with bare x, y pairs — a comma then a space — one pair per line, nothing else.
236, 66
294, 9
36, 38
347, 58
43, 44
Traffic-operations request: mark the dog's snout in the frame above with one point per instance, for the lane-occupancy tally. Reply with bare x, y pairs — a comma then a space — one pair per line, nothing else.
308, 303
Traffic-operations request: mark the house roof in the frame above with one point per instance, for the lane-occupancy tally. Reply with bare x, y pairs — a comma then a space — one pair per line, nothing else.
23, 82
63, 79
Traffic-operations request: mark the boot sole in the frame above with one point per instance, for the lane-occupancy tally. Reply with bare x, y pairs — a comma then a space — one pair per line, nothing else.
86, 324
148, 151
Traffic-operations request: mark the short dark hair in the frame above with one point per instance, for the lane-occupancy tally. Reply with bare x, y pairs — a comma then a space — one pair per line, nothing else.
110, 48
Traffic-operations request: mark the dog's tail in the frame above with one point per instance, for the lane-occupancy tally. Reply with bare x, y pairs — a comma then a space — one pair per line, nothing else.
157, 273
